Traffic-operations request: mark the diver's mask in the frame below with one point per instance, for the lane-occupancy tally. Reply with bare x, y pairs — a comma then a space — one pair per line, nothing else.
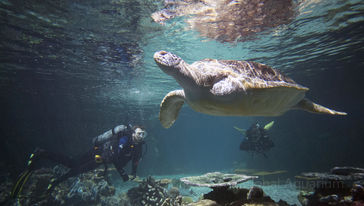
139, 135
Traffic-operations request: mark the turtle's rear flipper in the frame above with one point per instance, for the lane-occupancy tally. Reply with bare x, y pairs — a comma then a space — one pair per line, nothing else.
170, 106
310, 106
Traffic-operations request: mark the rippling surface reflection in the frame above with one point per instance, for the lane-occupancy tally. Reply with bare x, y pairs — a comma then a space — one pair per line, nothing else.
229, 20
100, 52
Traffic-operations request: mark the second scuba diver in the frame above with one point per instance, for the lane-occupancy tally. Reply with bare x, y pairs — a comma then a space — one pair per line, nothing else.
256, 139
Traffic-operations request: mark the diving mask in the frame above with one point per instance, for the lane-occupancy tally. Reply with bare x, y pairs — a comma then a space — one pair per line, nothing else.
139, 134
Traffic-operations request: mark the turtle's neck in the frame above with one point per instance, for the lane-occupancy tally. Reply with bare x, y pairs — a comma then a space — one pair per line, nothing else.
185, 75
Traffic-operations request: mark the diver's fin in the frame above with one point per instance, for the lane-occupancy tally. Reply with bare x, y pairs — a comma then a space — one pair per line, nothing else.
269, 125
24, 176
243, 131
25, 180
15, 189
51, 185
310, 106
19, 184
170, 106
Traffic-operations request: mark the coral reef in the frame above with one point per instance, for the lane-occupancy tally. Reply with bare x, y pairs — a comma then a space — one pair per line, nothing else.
205, 202
151, 192
89, 188
186, 200
179, 184
224, 193
216, 179
340, 186
348, 171
266, 177
5, 189
255, 193
86, 189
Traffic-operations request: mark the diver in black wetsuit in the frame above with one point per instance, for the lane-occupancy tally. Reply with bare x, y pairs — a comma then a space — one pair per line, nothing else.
117, 146
257, 139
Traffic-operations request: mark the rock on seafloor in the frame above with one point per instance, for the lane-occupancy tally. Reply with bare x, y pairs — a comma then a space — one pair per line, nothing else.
342, 186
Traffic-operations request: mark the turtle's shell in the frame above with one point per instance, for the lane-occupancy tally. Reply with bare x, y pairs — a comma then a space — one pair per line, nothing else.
230, 87
250, 74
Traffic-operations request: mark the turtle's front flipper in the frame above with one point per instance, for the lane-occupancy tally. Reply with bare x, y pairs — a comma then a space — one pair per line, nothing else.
170, 106
310, 106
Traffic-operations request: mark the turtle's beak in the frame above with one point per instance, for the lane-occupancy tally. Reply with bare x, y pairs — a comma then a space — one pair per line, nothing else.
166, 59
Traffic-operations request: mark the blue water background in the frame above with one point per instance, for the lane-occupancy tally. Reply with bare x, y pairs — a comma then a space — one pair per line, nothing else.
71, 70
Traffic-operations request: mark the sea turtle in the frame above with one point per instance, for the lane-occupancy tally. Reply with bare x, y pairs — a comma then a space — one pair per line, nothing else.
231, 88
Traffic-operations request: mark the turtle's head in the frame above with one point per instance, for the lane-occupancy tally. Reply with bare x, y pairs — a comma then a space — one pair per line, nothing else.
167, 61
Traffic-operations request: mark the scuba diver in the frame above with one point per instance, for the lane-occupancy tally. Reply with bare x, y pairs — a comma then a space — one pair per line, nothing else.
117, 146
256, 139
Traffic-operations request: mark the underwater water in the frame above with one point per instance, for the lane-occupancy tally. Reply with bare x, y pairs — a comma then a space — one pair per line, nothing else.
70, 70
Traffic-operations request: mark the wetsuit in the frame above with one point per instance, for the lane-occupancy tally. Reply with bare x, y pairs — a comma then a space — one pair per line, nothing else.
257, 140
114, 146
